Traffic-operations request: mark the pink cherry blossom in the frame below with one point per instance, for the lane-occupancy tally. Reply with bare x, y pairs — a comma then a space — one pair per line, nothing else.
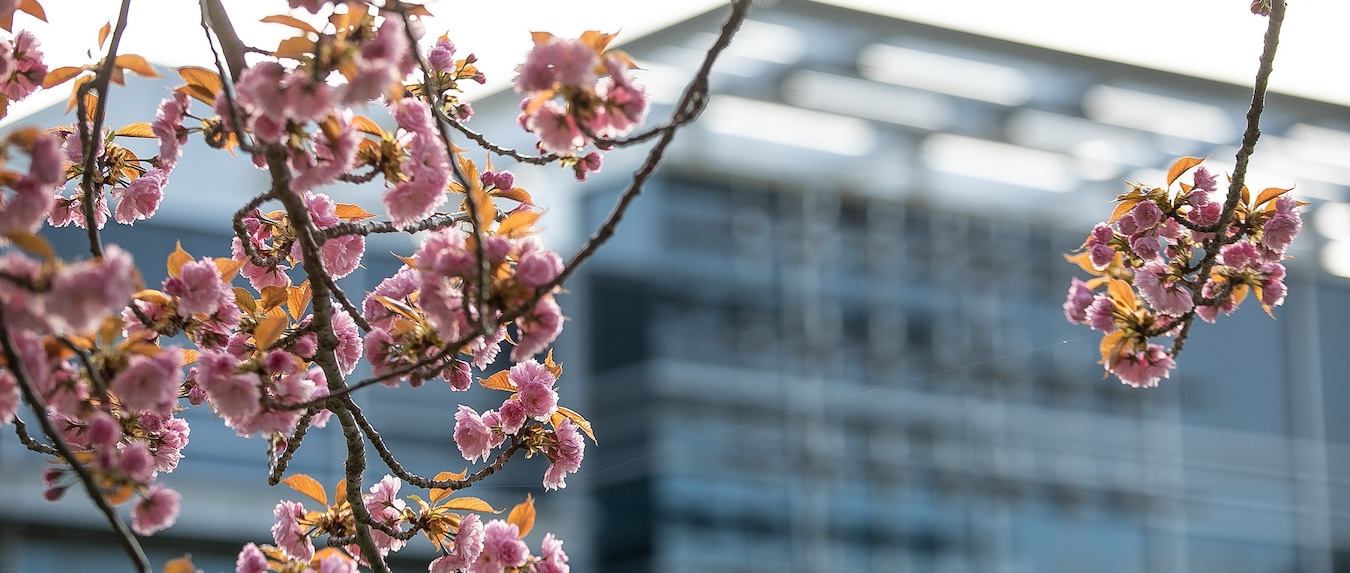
349, 342
471, 435
157, 510
552, 557
512, 416
141, 198
150, 383
538, 329
557, 130
1100, 314
557, 61
136, 462
199, 288
168, 129
441, 56
566, 455
28, 70
1144, 369
502, 548
1161, 290
1075, 306
24, 211
287, 532
1279, 231
87, 292
250, 560
538, 267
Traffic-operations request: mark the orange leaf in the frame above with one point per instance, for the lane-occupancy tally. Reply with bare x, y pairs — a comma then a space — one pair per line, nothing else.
137, 65
579, 421
189, 356
227, 268
297, 298
294, 48
597, 41
103, 33
35, 10
273, 296
349, 212
1111, 347
552, 366
245, 300
33, 245
180, 565
152, 296
437, 493
516, 194
470, 504
363, 124
202, 77
308, 486
270, 328
1123, 208
523, 515
1123, 294
139, 129
75, 93
541, 37
60, 76
499, 381
340, 492
1269, 194
1181, 166
518, 223
177, 259
292, 22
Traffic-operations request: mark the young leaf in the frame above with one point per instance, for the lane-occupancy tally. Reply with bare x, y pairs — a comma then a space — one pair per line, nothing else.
515, 194
1269, 194
470, 504
139, 129
294, 48
273, 296
498, 381
33, 245
227, 268
75, 92
580, 422
349, 212
136, 65
34, 9
1181, 166
363, 124
297, 298
177, 259
245, 300
292, 22
437, 493
103, 33
180, 565
1123, 294
60, 76
207, 80
518, 223
523, 515
270, 328
553, 367
1123, 208
308, 486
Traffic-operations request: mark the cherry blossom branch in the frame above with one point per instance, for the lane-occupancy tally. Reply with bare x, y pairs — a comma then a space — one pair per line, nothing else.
480, 318
484, 143
29, 442
695, 98
124, 536
88, 141
355, 469
424, 482
1244, 153
432, 223
292, 445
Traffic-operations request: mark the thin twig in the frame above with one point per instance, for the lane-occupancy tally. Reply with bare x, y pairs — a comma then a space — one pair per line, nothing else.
1244, 153
29, 442
89, 141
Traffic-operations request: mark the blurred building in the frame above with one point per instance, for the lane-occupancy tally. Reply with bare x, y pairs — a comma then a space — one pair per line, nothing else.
829, 338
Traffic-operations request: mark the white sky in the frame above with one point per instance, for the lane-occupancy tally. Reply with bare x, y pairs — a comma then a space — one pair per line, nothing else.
1217, 39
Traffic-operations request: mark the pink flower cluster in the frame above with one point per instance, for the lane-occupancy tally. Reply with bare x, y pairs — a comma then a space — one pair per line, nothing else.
534, 399
1155, 249
576, 94
25, 209
21, 66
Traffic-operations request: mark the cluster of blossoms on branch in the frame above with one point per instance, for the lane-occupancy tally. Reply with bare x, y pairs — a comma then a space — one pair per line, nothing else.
108, 363
1170, 254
